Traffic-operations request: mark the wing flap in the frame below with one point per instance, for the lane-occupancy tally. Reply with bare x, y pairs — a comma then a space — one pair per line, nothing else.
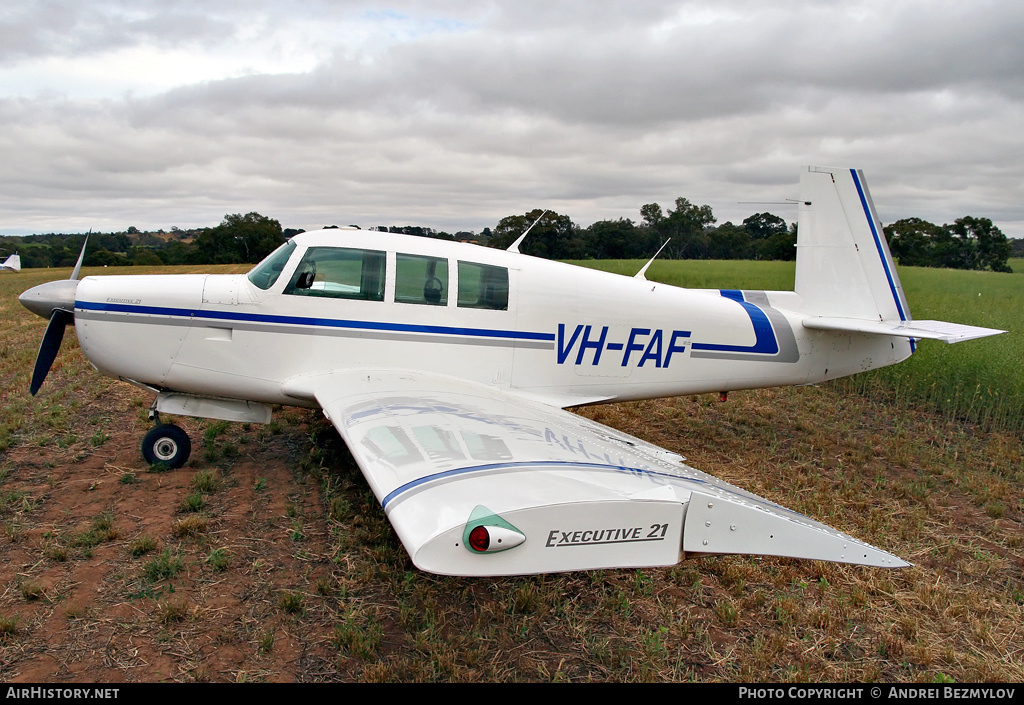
438, 452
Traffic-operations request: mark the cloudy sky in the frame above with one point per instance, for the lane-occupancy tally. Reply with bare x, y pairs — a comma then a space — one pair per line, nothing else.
455, 113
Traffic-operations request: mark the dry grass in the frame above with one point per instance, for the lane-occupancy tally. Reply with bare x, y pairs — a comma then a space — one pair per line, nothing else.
290, 571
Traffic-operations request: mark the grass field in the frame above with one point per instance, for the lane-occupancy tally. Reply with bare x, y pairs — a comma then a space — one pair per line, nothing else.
979, 381
266, 558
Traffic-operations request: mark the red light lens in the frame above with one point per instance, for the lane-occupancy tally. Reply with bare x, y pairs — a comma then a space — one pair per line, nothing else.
479, 539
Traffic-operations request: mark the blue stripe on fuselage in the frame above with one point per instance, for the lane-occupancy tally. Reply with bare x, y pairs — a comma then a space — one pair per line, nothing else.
195, 314
765, 342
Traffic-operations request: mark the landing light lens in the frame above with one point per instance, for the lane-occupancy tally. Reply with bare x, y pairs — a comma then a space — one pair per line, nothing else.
479, 539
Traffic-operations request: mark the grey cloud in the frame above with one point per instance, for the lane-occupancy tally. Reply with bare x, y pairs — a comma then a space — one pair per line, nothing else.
68, 28
460, 113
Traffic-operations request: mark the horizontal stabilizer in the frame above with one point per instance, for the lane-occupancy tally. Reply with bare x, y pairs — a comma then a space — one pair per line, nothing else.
930, 330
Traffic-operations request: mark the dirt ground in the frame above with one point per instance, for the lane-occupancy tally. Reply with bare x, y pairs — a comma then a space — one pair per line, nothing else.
86, 610
267, 559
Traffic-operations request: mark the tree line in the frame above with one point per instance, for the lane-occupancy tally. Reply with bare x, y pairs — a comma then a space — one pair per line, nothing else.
969, 243
687, 231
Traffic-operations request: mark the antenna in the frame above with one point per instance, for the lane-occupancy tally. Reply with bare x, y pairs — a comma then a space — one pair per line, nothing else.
643, 270
514, 247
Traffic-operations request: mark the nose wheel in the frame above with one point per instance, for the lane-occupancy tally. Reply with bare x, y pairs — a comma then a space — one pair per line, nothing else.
167, 444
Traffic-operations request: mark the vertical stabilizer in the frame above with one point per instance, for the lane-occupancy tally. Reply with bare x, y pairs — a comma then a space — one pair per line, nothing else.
12, 263
843, 265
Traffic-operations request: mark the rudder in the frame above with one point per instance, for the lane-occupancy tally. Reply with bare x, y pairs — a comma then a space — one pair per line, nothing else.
843, 264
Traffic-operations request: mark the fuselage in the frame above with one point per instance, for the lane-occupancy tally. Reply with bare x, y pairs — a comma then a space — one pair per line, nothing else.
341, 300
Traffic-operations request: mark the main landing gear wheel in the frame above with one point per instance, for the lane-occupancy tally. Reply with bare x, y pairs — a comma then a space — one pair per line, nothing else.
167, 444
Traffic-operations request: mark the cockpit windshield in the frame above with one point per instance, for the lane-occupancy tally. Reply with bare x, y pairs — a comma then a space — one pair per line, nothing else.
266, 272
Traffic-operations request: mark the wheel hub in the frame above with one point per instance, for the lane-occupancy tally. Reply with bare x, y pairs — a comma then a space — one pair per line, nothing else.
166, 448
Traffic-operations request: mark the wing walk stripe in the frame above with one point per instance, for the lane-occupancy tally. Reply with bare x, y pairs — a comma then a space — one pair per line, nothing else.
194, 314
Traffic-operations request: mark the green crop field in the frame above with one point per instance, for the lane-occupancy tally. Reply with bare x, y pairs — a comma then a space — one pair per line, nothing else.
978, 381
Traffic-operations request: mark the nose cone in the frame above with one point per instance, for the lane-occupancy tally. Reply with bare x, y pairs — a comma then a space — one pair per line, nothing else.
43, 299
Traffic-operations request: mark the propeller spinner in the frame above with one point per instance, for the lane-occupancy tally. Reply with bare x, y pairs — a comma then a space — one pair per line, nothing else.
56, 301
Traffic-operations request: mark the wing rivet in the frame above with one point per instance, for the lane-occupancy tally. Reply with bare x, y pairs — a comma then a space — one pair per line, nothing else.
705, 542
732, 527
707, 523
710, 505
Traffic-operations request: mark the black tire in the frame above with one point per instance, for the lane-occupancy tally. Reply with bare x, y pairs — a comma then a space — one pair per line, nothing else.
167, 444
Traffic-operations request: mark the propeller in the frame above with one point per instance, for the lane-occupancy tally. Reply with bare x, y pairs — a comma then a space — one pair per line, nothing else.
56, 301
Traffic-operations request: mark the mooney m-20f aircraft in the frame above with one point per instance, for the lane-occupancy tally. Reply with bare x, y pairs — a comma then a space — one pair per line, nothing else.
446, 368
11, 264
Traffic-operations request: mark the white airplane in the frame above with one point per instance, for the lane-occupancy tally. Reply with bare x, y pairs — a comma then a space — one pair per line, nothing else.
446, 368
11, 264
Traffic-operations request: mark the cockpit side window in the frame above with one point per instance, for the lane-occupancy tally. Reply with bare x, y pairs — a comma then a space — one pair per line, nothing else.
483, 286
265, 274
339, 273
421, 280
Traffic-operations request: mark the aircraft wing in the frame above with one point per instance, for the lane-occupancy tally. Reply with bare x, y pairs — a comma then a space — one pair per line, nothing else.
554, 491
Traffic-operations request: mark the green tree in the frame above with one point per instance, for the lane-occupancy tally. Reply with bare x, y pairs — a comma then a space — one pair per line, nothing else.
990, 248
553, 237
175, 252
762, 226
239, 238
686, 227
104, 258
652, 214
729, 241
615, 239
146, 258
780, 246
912, 241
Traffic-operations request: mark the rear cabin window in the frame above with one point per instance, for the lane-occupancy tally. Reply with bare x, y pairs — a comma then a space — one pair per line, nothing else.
483, 286
421, 280
339, 273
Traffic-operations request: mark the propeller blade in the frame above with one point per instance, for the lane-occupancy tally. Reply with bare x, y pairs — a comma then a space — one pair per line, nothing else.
81, 257
50, 346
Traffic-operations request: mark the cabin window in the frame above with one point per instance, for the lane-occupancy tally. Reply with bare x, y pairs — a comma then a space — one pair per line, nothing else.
265, 274
339, 273
483, 286
421, 280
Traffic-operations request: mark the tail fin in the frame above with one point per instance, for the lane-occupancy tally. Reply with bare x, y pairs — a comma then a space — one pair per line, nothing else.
843, 265
845, 275
13, 263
